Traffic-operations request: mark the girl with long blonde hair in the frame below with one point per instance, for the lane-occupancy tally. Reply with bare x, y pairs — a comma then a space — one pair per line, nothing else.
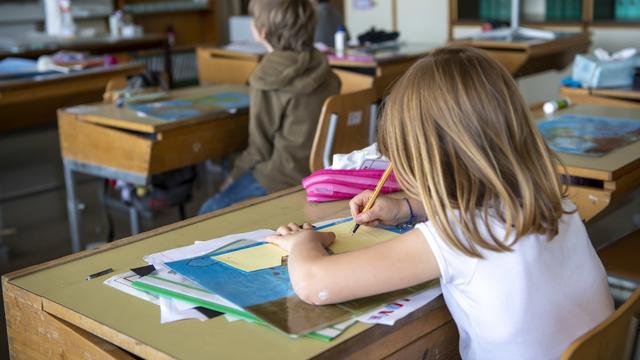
516, 266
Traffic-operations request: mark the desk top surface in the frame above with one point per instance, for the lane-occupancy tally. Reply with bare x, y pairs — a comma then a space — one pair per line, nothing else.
622, 93
35, 45
62, 282
379, 56
35, 81
531, 45
384, 55
612, 165
626, 93
128, 119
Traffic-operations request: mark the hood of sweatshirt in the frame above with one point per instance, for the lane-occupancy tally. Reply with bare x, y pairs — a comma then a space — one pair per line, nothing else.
291, 71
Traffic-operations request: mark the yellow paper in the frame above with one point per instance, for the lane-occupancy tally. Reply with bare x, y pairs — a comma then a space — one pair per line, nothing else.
269, 255
253, 258
365, 236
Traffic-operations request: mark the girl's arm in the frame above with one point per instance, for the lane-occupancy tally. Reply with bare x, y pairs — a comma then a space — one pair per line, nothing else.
319, 279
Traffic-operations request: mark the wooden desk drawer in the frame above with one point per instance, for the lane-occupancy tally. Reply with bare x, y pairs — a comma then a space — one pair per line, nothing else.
149, 154
436, 345
430, 327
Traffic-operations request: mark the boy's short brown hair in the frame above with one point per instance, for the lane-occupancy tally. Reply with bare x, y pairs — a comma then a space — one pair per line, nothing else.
289, 24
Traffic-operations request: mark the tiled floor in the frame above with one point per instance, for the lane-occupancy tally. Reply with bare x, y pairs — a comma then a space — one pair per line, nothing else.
30, 163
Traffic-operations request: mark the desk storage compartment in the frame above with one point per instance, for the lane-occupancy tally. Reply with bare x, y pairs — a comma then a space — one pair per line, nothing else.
148, 154
387, 74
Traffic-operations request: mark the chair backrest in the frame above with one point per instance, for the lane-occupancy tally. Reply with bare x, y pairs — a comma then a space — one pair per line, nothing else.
346, 124
615, 338
220, 66
114, 85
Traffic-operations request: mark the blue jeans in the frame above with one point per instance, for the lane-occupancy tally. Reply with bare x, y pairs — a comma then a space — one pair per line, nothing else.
244, 187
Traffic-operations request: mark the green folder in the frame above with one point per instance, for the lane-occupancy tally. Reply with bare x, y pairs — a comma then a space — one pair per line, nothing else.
551, 9
485, 9
156, 290
576, 10
634, 13
622, 9
505, 10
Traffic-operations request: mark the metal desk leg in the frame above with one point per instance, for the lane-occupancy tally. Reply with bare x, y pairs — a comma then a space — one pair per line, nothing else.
72, 207
134, 220
4, 249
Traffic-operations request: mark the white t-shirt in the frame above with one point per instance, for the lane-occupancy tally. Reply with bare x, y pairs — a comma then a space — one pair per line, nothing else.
530, 303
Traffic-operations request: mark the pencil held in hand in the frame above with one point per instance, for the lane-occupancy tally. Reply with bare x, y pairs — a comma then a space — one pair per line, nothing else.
375, 194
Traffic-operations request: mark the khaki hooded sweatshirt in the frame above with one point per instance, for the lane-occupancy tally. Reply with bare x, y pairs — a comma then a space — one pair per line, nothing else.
287, 92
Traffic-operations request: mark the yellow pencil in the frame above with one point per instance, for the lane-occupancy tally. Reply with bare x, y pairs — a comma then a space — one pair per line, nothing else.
376, 192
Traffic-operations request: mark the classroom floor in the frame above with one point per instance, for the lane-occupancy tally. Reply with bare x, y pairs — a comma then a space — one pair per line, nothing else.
32, 202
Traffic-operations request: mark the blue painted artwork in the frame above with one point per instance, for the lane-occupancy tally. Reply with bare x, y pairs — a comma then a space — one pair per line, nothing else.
268, 294
398, 229
588, 135
241, 288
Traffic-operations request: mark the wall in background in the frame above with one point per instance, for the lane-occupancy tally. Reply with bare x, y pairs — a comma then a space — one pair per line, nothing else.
419, 17
426, 21
359, 21
415, 18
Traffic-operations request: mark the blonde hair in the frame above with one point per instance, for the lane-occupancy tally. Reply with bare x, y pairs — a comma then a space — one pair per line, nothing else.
289, 24
460, 137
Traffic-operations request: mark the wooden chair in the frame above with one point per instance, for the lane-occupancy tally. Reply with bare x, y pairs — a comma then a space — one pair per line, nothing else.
615, 338
220, 66
347, 123
113, 86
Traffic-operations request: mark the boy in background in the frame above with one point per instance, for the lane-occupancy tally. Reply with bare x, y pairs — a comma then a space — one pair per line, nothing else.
287, 90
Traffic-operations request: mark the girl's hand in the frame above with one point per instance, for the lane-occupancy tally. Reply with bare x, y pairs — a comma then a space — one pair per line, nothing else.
289, 235
385, 210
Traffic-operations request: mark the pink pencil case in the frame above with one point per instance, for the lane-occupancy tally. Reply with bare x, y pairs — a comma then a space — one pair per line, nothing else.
328, 185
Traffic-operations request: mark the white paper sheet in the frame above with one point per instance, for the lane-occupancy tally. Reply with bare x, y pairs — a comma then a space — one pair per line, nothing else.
169, 312
183, 305
170, 309
202, 247
390, 313
368, 158
123, 282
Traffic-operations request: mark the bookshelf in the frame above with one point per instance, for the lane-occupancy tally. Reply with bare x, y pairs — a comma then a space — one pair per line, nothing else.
583, 14
189, 22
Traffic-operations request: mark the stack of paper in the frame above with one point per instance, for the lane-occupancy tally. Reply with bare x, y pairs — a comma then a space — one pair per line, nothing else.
245, 278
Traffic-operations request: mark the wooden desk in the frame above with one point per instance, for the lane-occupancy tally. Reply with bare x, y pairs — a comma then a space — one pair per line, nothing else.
624, 98
620, 258
105, 141
45, 45
532, 56
52, 311
51, 92
618, 171
217, 65
387, 65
